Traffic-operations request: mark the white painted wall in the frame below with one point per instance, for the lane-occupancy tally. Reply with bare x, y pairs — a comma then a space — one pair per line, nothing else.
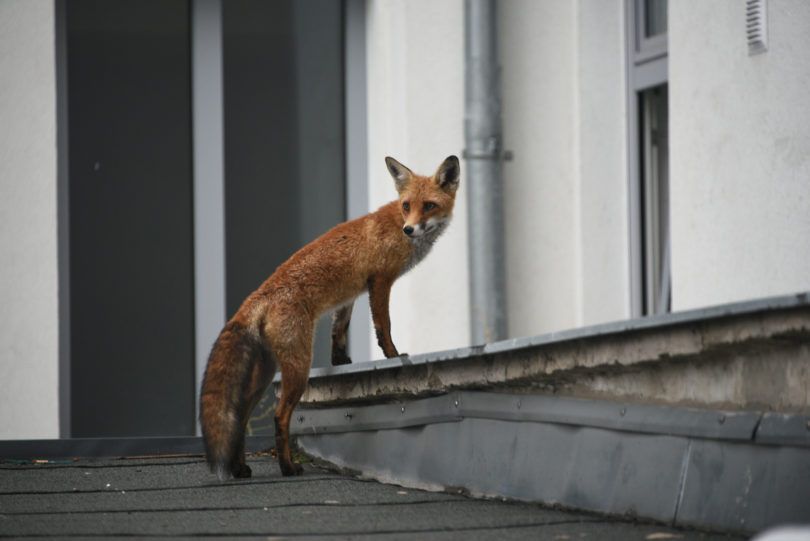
537, 47
29, 344
415, 74
601, 175
740, 153
566, 189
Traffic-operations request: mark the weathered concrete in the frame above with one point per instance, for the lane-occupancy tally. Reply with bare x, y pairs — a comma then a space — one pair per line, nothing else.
747, 356
695, 418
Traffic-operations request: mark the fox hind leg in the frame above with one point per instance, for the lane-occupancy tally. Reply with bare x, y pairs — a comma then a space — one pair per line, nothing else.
239, 469
340, 325
260, 376
293, 383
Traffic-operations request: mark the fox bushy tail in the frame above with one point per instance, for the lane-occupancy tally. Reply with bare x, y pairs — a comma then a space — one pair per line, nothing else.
239, 369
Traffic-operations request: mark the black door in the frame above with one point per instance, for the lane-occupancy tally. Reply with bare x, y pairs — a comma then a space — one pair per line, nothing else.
284, 137
130, 207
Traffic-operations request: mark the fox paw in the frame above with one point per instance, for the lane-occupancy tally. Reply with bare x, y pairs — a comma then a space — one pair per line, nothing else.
340, 358
290, 468
242, 471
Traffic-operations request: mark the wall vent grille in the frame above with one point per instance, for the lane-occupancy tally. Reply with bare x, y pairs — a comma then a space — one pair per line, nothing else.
756, 27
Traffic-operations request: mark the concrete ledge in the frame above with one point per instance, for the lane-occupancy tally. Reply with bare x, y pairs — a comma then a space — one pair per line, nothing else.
699, 418
747, 356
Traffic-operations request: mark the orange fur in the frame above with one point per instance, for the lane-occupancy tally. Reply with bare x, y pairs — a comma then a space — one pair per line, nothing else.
275, 325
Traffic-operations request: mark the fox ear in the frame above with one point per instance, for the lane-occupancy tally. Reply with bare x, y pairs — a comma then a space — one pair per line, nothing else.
447, 175
402, 175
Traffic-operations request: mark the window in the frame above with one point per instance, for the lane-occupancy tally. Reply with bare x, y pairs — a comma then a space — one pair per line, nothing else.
654, 185
655, 18
648, 151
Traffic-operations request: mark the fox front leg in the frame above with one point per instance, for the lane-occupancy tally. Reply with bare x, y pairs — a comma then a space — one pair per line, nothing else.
340, 324
379, 292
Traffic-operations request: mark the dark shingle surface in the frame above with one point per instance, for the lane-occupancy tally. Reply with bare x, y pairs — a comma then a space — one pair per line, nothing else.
178, 498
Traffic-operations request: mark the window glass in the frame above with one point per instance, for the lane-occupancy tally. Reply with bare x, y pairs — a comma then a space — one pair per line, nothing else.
655, 17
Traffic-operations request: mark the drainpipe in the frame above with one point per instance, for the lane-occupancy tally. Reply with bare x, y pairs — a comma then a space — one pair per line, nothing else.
484, 154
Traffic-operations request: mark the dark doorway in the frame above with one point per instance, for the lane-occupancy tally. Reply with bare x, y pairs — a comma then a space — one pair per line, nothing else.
284, 137
130, 197
130, 188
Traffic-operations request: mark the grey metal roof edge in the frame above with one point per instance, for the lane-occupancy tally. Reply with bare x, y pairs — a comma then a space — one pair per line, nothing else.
783, 429
113, 447
397, 362
698, 315
439, 409
621, 416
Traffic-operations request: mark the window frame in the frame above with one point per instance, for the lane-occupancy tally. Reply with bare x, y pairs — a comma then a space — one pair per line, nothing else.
647, 68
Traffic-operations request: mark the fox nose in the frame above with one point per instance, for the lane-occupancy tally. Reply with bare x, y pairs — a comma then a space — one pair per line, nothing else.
408, 230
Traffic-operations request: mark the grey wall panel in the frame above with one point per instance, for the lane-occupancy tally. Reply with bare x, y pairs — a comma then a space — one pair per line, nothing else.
745, 487
209, 179
579, 467
784, 428
261, 188
321, 168
599, 469
580, 453
284, 137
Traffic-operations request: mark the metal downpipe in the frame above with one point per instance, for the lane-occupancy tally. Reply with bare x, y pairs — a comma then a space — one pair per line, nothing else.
484, 153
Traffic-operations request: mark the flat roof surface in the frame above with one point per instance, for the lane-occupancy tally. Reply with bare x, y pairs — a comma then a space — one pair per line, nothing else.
176, 497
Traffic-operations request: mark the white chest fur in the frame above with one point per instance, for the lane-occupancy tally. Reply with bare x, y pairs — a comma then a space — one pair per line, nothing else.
424, 242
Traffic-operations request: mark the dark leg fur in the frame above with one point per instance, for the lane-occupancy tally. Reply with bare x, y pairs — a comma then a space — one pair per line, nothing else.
340, 325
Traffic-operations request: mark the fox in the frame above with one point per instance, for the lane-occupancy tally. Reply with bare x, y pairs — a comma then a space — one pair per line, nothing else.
275, 325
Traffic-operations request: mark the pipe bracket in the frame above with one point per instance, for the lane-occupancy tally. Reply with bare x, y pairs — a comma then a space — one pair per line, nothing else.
504, 156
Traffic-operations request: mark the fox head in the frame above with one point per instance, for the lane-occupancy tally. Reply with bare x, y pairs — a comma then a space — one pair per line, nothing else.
426, 203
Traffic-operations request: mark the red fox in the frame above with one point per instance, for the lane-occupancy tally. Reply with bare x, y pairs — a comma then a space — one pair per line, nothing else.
275, 325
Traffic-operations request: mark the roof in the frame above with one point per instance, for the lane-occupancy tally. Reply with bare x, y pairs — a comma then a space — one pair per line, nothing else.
178, 497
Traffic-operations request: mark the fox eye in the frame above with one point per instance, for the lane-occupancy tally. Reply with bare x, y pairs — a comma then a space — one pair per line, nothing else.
429, 205
406, 206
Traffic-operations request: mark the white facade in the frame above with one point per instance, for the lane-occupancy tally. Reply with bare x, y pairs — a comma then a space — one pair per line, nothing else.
739, 169
29, 324
566, 189
740, 153
739, 156
415, 86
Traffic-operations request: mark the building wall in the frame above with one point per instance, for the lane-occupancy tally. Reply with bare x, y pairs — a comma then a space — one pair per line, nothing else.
566, 188
29, 342
601, 173
415, 74
565, 191
740, 153
537, 46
